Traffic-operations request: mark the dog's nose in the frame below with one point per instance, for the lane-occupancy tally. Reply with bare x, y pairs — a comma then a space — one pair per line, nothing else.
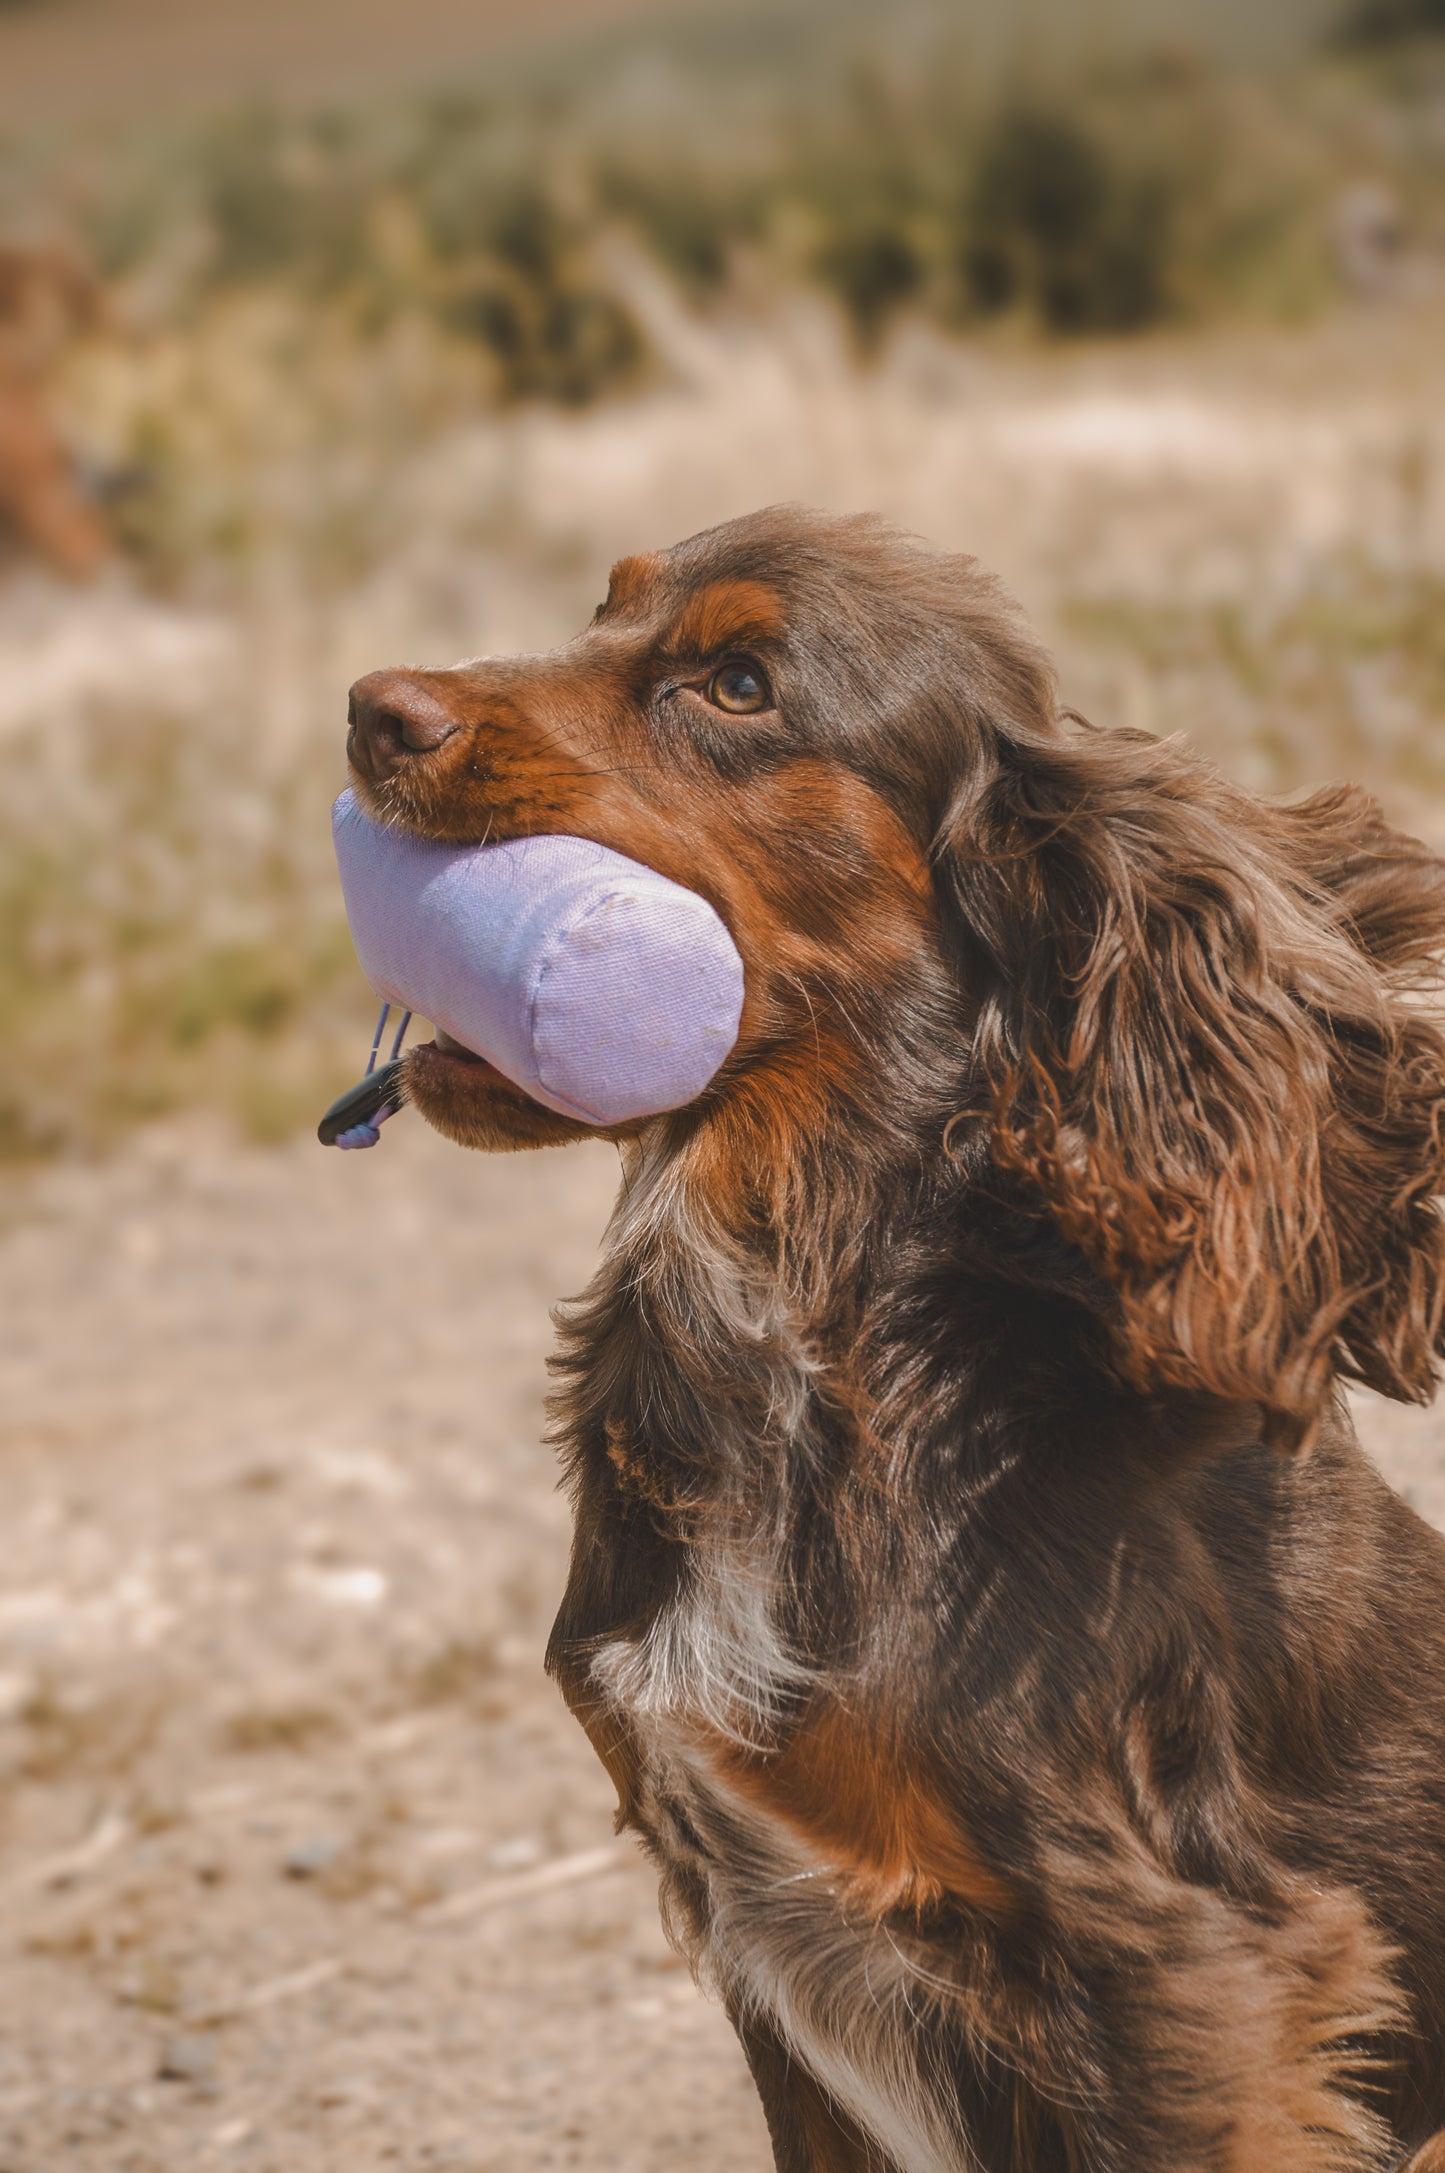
391, 716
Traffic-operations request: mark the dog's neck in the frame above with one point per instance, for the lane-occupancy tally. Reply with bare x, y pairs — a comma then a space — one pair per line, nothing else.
783, 1403
757, 1317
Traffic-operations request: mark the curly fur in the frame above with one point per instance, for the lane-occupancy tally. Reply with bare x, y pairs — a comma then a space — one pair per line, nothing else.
1046, 1770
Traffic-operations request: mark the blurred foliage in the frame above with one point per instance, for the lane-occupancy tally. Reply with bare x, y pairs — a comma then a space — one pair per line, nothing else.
311, 309
163, 920
1345, 679
1386, 22
1136, 194
1057, 225
355, 281
362, 277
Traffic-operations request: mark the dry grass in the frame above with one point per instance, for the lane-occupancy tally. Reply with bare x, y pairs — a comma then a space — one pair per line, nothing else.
1242, 538
396, 382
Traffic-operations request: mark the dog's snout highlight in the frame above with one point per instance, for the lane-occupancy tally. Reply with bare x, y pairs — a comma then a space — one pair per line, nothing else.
392, 716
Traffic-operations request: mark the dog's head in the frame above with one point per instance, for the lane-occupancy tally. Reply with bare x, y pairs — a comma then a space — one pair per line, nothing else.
1171, 1015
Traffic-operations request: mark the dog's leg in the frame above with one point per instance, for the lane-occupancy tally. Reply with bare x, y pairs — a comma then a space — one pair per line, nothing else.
810, 2134
1430, 2158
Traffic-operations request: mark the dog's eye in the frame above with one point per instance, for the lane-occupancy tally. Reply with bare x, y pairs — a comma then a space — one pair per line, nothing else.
740, 689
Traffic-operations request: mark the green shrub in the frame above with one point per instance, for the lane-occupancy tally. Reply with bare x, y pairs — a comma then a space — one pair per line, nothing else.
327, 289
523, 288
689, 227
1057, 225
1123, 197
1388, 22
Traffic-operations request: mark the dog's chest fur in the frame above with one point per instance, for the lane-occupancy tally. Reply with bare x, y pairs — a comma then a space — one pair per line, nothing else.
731, 1743
773, 1920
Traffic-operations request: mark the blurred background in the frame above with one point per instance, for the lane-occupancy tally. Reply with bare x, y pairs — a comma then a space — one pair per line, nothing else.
334, 335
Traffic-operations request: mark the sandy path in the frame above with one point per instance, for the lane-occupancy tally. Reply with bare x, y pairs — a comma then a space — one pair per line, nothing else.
288, 1786
282, 1548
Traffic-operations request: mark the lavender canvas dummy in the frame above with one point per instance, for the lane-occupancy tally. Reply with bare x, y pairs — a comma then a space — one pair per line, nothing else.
600, 988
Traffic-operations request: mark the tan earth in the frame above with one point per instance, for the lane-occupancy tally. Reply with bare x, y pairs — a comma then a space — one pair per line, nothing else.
305, 1865
304, 1862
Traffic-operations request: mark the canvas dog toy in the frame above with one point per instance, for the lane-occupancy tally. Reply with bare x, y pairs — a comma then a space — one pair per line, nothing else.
600, 988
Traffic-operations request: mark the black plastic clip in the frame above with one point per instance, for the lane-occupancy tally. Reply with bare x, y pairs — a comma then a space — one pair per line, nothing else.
370, 1102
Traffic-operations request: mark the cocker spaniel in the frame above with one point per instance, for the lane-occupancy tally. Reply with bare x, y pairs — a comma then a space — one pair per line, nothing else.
1031, 1698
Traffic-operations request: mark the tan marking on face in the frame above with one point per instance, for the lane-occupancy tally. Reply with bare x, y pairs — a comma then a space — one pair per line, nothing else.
631, 583
812, 945
728, 614
827, 896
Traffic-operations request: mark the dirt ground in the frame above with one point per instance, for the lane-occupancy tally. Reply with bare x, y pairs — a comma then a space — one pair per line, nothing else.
304, 1862
305, 1865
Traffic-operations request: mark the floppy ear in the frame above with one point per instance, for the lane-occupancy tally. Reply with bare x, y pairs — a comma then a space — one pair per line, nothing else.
1196, 1040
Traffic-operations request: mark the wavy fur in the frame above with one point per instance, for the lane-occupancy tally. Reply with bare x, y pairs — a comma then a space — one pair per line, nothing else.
1047, 1773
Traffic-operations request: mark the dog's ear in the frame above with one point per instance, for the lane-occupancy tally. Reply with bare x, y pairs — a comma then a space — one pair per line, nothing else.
1196, 1040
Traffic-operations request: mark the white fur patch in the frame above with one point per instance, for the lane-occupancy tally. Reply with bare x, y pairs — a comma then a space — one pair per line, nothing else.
713, 1655
777, 1941
841, 1992
777, 1944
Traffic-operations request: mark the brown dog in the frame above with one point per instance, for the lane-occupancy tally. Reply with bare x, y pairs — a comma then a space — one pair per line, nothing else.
44, 295
1032, 1700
